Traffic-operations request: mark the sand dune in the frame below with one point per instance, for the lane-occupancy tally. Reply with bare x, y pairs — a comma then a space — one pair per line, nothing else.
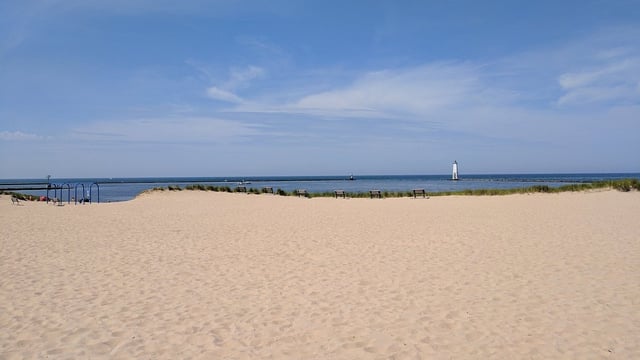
199, 275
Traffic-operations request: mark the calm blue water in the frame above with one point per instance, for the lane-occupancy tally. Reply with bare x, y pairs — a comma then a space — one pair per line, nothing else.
120, 189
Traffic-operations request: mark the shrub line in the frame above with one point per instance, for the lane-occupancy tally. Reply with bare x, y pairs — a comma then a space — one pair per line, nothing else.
624, 185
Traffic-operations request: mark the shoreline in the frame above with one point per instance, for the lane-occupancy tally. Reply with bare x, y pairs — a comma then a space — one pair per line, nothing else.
623, 185
123, 189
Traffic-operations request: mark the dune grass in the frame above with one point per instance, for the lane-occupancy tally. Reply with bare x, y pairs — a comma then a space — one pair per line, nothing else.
20, 196
624, 185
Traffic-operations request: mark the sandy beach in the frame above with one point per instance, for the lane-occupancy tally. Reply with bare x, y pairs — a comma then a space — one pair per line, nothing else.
202, 275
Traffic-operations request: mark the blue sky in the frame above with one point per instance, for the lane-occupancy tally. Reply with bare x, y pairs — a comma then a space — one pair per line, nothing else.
110, 88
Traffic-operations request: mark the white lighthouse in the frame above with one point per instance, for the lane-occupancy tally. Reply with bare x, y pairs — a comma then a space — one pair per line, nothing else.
455, 171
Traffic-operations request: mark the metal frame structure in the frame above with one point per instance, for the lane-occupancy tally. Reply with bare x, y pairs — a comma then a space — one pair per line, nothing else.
76, 193
91, 192
68, 186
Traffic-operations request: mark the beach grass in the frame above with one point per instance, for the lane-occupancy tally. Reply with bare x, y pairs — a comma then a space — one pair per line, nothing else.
20, 196
623, 185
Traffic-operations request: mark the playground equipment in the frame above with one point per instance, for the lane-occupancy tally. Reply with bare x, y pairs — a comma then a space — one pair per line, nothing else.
91, 192
83, 199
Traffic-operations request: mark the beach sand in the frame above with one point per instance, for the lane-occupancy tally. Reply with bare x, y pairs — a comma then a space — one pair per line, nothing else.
202, 275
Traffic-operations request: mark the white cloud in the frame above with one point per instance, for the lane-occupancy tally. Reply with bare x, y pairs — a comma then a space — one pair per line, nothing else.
605, 73
602, 70
426, 93
18, 136
598, 94
524, 89
238, 78
406, 93
417, 90
223, 95
614, 81
514, 101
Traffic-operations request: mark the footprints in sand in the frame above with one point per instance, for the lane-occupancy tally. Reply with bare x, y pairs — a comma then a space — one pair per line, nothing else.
240, 284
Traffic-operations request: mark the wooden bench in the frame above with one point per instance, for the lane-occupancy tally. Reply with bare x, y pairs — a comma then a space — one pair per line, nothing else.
241, 189
340, 193
267, 190
375, 193
417, 192
301, 192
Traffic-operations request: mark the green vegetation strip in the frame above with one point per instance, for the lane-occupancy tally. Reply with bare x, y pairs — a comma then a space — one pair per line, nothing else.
624, 185
620, 185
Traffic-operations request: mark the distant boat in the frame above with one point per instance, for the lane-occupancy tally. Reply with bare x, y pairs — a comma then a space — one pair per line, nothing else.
242, 182
454, 176
351, 177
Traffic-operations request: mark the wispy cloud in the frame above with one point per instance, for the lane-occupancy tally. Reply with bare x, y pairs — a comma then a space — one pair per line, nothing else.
216, 93
19, 136
615, 79
602, 70
239, 78
440, 92
508, 103
418, 90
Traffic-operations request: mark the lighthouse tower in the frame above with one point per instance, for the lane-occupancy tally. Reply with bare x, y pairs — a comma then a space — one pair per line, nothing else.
455, 171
